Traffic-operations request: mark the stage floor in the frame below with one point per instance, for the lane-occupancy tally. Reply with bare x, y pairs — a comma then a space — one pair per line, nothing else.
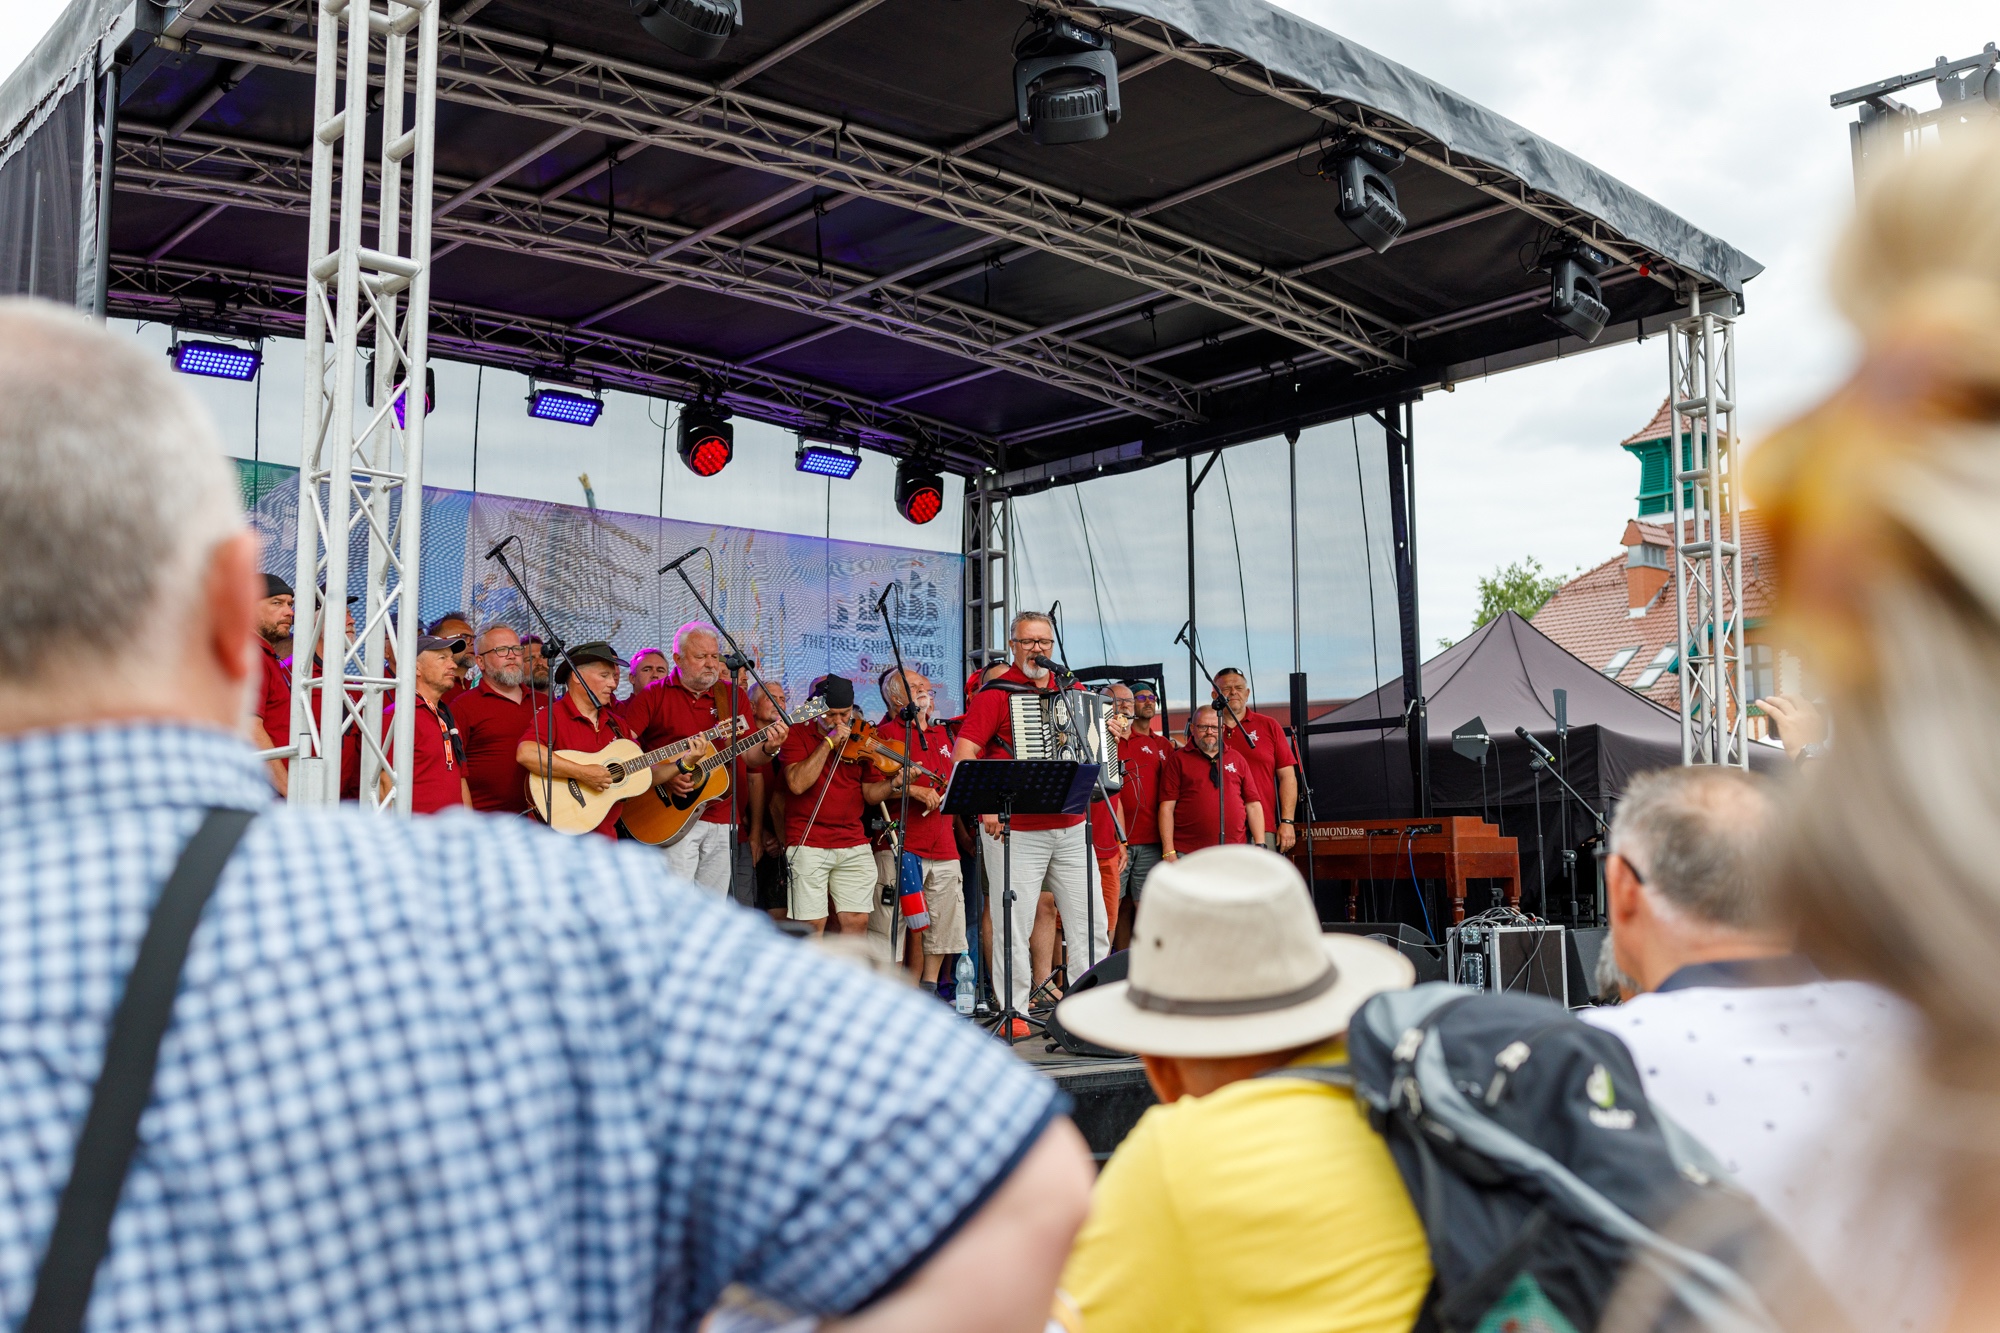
1110, 1094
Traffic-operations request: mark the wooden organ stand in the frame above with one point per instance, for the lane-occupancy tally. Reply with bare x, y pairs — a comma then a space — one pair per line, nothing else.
1453, 848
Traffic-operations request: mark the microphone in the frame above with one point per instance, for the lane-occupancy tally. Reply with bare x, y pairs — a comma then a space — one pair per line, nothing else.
686, 556
499, 546
1535, 745
1182, 636
1049, 664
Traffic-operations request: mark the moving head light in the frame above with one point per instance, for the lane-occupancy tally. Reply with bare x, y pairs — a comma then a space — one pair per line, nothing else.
1360, 166
1576, 300
1065, 83
697, 28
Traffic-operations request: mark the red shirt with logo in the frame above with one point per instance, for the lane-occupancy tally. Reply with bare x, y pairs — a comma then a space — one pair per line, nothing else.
1144, 755
1188, 780
838, 823
436, 767
569, 729
989, 724
929, 834
1272, 753
274, 696
491, 726
665, 712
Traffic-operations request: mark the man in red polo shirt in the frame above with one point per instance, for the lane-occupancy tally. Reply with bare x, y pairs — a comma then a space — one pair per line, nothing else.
576, 721
929, 834
491, 717
455, 625
1274, 773
1188, 784
647, 665
271, 726
1048, 850
437, 766
1144, 754
825, 845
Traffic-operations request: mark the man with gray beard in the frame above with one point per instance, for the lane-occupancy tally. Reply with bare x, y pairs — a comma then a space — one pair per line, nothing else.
492, 717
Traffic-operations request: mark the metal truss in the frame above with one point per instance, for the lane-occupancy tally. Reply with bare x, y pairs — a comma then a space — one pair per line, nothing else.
271, 305
631, 102
1708, 565
221, 169
989, 535
363, 473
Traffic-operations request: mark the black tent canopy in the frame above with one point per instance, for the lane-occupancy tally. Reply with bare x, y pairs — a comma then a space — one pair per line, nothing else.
835, 224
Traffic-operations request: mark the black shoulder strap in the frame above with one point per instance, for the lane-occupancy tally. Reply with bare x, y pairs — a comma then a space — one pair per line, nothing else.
110, 1134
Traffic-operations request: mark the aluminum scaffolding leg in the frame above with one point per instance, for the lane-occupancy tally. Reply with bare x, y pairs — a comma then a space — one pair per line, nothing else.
364, 474
1708, 571
989, 532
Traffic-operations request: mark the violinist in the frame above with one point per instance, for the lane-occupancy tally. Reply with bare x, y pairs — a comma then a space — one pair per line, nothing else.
929, 833
825, 846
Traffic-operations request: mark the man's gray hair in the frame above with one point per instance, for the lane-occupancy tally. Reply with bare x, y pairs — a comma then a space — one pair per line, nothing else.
693, 627
114, 491
1698, 837
1023, 617
642, 655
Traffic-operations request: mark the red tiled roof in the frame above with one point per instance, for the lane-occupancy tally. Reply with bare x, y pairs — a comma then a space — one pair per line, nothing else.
1591, 615
1656, 429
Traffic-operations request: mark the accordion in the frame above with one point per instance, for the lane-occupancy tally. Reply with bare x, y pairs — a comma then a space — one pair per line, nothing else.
1046, 727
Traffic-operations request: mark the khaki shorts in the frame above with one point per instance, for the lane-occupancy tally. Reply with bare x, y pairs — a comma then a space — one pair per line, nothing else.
846, 874
944, 899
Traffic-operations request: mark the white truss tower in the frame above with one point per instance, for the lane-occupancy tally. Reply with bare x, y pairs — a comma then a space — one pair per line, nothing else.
360, 468
1708, 568
989, 533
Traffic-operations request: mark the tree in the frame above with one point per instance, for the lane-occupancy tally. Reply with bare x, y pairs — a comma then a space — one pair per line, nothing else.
1521, 587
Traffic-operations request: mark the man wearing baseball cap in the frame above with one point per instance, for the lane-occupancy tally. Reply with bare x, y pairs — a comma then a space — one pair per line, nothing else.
437, 757
1242, 1202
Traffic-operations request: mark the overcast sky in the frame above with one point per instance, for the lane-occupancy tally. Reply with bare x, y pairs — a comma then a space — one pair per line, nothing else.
1718, 110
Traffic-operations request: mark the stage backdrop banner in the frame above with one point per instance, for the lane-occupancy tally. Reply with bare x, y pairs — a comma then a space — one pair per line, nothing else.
802, 606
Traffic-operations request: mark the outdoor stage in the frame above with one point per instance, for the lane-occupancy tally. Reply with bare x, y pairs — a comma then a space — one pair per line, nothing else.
1109, 1095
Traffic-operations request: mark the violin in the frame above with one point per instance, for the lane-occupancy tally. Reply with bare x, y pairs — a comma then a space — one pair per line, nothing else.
865, 745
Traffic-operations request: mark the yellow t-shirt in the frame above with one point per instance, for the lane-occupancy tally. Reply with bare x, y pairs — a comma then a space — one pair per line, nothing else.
1268, 1206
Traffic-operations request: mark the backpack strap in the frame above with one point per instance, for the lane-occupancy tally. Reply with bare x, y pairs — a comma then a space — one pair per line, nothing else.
82, 1232
1332, 1076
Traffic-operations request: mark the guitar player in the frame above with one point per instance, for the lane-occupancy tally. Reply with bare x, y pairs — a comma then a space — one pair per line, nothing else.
692, 698
580, 722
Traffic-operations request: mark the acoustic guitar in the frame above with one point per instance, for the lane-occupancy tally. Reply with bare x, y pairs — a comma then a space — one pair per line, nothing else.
578, 809
659, 817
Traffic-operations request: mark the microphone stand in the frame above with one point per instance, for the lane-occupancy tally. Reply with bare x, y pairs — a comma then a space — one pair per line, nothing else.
1543, 762
550, 639
1065, 678
913, 738
736, 648
1189, 636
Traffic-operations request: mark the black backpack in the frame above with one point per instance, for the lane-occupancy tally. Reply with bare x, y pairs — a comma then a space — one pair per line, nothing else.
1555, 1199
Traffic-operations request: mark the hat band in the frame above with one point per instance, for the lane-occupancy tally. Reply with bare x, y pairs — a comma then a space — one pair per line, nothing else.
1256, 1004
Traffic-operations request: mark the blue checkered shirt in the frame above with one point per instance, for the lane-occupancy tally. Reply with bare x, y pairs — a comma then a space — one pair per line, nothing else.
459, 1073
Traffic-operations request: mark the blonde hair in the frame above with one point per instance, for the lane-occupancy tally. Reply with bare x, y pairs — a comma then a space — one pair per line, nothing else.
1884, 505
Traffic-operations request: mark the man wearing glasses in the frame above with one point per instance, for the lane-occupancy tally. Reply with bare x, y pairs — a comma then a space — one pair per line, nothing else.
1049, 852
492, 716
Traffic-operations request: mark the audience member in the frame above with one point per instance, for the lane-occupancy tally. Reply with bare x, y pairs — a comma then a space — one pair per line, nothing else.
1144, 754
826, 847
437, 752
271, 721
580, 720
1243, 1202
1189, 819
929, 833
435, 1073
1778, 1071
1259, 741
491, 717
1881, 506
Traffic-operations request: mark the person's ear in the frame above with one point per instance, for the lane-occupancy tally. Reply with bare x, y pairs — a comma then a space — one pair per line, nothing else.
1623, 893
231, 591
1164, 1073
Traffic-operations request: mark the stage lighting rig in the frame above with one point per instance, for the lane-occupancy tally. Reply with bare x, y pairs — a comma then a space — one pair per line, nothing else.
577, 406
697, 28
823, 458
1360, 166
1065, 83
1576, 300
919, 490
213, 360
707, 440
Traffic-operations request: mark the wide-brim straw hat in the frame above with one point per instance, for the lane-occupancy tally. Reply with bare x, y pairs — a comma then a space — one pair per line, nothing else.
1228, 959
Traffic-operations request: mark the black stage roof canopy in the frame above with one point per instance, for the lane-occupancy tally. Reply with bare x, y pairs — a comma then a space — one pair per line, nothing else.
836, 225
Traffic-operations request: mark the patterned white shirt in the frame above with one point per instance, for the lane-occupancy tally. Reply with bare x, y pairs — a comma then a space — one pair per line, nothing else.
456, 1072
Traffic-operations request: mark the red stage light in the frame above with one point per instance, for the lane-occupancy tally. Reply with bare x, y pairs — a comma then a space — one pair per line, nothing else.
919, 492
709, 455
707, 442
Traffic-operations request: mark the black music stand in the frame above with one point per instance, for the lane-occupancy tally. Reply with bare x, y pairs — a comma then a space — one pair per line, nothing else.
1007, 787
